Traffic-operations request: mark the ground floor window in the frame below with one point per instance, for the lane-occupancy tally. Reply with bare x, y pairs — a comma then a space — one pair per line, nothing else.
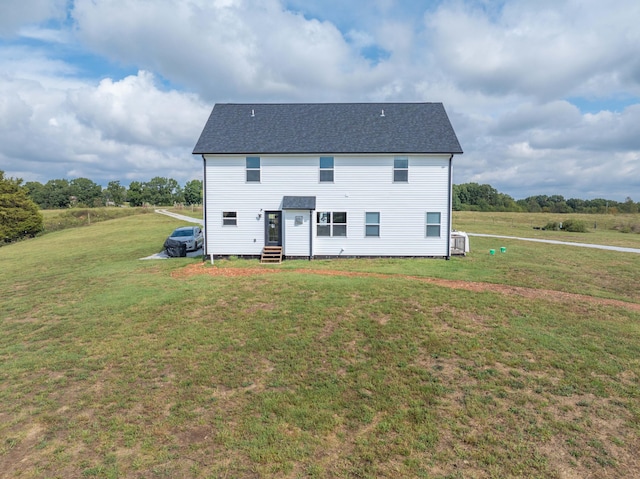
433, 224
372, 223
331, 223
229, 218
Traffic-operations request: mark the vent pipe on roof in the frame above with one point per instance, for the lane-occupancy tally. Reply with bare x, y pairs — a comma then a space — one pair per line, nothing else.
382, 113
253, 113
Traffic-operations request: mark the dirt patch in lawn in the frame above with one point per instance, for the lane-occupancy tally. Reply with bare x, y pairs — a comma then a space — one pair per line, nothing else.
533, 293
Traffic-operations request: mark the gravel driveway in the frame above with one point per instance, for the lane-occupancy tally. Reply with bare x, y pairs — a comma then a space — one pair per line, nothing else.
583, 245
177, 216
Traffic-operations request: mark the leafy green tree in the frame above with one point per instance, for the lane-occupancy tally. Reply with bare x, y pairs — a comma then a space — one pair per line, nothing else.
175, 192
56, 194
193, 192
540, 202
161, 191
115, 193
178, 194
36, 192
628, 206
529, 204
19, 215
472, 196
135, 194
561, 207
456, 204
598, 205
86, 192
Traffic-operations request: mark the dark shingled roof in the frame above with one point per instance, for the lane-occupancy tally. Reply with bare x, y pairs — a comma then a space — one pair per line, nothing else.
316, 128
299, 203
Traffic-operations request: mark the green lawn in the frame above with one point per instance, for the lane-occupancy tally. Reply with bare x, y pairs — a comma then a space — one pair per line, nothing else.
116, 367
601, 229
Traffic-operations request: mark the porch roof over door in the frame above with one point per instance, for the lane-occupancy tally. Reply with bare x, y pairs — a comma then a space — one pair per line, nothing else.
299, 203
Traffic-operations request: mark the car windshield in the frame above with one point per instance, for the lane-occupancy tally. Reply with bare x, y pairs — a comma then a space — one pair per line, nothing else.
178, 233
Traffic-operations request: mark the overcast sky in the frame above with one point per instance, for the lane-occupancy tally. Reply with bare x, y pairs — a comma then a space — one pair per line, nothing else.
544, 94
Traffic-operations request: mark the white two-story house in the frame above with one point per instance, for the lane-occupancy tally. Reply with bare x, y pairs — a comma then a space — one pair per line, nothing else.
328, 179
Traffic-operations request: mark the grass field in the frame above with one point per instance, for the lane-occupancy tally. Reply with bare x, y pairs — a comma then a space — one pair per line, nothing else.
522, 364
601, 229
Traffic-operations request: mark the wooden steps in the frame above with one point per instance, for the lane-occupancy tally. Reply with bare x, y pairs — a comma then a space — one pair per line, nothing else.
271, 254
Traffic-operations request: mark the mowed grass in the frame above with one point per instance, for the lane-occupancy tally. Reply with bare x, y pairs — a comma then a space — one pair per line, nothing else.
116, 367
601, 229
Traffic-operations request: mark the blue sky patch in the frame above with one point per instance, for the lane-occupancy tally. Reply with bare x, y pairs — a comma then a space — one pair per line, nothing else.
375, 54
596, 105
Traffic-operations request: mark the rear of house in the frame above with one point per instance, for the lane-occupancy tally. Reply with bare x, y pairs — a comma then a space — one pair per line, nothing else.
327, 180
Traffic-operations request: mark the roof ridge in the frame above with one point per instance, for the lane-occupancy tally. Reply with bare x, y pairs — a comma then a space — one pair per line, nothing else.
341, 128
335, 103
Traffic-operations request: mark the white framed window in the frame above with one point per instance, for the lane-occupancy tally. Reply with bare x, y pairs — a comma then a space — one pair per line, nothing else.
372, 223
331, 223
326, 169
433, 224
253, 169
229, 218
401, 169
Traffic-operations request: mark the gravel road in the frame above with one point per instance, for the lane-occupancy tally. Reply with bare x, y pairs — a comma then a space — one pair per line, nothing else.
583, 245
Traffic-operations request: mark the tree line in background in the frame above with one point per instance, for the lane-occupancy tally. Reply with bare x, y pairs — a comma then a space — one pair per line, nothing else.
476, 197
20, 203
159, 191
82, 192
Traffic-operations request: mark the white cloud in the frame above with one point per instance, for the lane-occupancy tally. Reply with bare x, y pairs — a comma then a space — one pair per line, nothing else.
99, 131
135, 111
528, 117
221, 49
50, 35
14, 14
24, 63
560, 125
512, 76
540, 49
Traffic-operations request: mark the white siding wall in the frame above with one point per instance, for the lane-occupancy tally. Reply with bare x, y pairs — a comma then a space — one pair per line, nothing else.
296, 236
361, 184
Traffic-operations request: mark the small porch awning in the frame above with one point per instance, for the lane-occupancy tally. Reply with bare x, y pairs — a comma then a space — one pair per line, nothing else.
299, 203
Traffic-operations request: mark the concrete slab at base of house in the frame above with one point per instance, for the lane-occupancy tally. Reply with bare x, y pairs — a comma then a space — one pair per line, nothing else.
163, 255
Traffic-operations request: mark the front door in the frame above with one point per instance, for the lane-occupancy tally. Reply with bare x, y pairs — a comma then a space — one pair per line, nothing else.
273, 228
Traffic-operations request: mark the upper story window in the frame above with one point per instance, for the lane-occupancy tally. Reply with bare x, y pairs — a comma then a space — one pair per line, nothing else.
326, 169
433, 224
372, 223
253, 169
400, 169
331, 223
